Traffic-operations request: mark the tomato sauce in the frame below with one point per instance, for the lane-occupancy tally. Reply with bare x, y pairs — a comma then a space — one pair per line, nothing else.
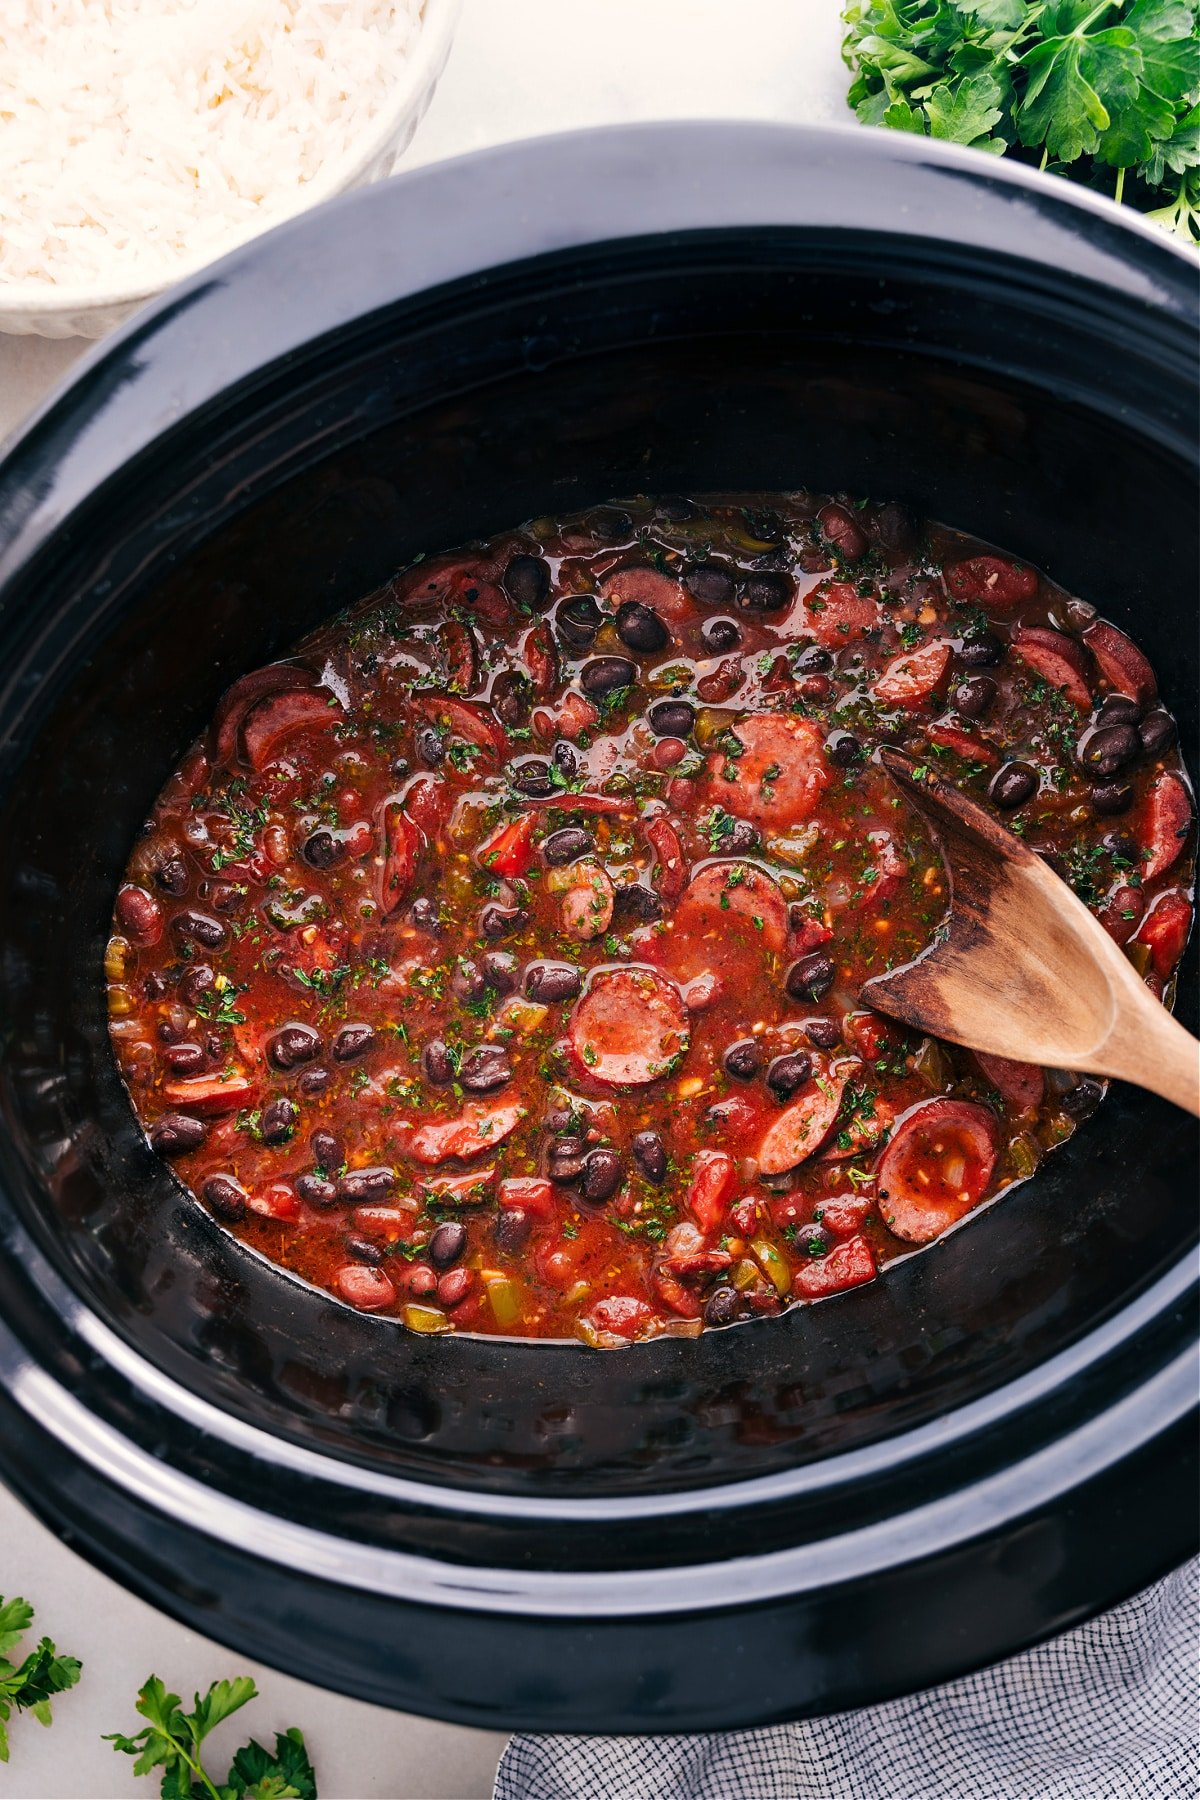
493, 963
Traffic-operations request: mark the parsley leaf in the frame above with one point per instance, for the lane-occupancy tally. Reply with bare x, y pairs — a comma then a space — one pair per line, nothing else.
172, 1738
30, 1685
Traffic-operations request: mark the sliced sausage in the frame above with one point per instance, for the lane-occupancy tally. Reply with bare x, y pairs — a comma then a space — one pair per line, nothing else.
1120, 662
729, 895
276, 678
801, 1128
993, 580
836, 613
1021, 1084
778, 778
629, 1028
467, 722
1165, 823
936, 1168
282, 715
459, 655
476, 1129
714, 1174
1058, 659
912, 679
209, 1096
648, 587
1165, 928
847, 1265
402, 844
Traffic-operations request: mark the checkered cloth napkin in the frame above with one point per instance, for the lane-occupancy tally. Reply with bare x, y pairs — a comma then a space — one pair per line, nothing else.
1108, 1711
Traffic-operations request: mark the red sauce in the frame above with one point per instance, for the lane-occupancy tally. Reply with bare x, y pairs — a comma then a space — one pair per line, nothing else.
494, 963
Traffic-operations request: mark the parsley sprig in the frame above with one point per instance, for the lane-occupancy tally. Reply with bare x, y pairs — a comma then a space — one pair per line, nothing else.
29, 1685
171, 1741
1104, 91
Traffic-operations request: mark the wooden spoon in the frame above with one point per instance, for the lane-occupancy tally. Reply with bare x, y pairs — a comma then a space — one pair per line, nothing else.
1020, 968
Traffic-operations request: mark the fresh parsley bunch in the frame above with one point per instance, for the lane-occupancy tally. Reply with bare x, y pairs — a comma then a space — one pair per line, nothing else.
1104, 91
172, 1739
30, 1685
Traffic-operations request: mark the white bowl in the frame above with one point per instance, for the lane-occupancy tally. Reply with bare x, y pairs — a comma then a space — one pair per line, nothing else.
61, 310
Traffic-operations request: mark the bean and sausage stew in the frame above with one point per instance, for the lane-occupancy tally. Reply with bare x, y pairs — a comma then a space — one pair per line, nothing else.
493, 962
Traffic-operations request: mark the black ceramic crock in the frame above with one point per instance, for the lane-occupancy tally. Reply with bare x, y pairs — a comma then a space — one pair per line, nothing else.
793, 1516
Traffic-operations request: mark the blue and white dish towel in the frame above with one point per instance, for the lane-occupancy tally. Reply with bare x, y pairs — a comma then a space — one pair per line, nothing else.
1108, 1711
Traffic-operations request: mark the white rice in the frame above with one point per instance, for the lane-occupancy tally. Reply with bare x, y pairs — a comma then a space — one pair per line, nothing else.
137, 135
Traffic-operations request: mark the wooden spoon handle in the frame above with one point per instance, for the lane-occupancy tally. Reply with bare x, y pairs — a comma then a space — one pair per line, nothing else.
1153, 1050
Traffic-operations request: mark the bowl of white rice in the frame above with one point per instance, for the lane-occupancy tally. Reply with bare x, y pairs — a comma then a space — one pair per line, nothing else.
141, 139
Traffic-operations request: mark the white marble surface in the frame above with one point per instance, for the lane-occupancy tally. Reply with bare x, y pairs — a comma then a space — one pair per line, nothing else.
518, 68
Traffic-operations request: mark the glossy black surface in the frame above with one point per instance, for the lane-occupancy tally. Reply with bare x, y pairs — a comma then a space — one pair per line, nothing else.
790, 1516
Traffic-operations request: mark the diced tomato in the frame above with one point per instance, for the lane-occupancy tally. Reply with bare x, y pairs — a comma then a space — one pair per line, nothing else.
528, 1193
670, 875
801, 1127
509, 851
1165, 928
474, 1189
428, 802
1165, 824
810, 934
913, 679
680, 1299
276, 1201
389, 1223
714, 1174
847, 1265
560, 1261
962, 743
572, 716
890, 866
459, 654
743, 1215
402, 843
1022, 1085
1120, 662
468, 722
872, 1036
541, 658
209, 1096
363, 1286
477, 1128
778, 778
697, 1265
629, 1028
836, 613
1061, 661
280, 717
936, 1168
994, 580
844, 1214
621, 1314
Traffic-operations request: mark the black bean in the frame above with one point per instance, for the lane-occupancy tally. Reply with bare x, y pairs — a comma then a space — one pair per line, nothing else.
1111, 797
841, 529
169, 1033
710, 583
172, 876
196, 984
564, 1159
578, 621
1121, 844
532, 776
1012, 785
974, 696
510, 697
278, 1121
424, 914
293, 1045
766, 590
225, 1196
607, 675
177, 1133
786, 1075
214, 1049
719, 635
810, 977
526, 581
437, 1063
843, 748
1083, 1099
155, 985
316, 1190
650, 1154
634, 900
430, 745
813, 1240
200, 928
314, 1081
566, 759
813, 660
611, 524
566, 845
485, 1069
744, 1060
551, 981
722, 1306
1118, 709
322, 850
358, 1185
896, 529
671, 718
399, 767
185, 1059
1104, 751
497, 921
1156, 732
501, 971
353, 1041
512, 1230
674, 506
981, 650
467, 982
328, 1151
602, 1176
363, 1249
447, 1244
741, 838
640, 627
823, 1034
